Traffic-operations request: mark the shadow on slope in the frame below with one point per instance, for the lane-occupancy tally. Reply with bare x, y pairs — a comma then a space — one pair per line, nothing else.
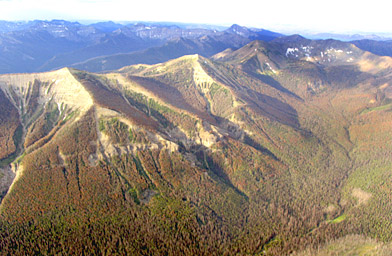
113, 100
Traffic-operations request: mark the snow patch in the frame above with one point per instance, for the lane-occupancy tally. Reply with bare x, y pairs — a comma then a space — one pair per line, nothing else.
291, 51
307, 49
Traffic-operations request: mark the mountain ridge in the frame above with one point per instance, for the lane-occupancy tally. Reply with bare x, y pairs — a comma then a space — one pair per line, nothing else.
45, 45
221, 155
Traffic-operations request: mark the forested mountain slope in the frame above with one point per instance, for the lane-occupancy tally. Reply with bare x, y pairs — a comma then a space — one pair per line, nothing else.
273, 148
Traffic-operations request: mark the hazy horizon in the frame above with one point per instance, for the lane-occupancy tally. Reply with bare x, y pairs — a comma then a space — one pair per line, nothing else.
286, 30
346, 17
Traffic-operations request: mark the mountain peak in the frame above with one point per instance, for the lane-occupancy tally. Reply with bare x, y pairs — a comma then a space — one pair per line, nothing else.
236, 26
184, 61
107, 26
252, 33
256, 44
239, 30
292, 39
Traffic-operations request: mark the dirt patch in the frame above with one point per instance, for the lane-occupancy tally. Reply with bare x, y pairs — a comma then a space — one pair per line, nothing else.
61, 158
361, 196
146, 196
93, 160
330, 208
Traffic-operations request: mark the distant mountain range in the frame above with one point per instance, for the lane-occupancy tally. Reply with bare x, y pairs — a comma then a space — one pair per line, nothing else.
348, 37
45, 45
37, 46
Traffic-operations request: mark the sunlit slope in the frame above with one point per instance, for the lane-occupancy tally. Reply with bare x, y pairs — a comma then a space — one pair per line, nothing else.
346, 105
101, 160
253, 151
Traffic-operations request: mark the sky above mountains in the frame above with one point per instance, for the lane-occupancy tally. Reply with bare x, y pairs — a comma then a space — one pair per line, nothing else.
283, 15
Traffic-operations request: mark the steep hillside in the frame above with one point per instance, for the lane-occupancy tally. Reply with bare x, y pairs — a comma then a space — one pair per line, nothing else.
382, 48
270, 149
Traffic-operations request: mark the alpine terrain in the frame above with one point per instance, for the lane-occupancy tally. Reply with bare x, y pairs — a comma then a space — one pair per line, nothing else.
275, 148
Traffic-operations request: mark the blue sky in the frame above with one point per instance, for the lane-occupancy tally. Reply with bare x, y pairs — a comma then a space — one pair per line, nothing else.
323, 16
